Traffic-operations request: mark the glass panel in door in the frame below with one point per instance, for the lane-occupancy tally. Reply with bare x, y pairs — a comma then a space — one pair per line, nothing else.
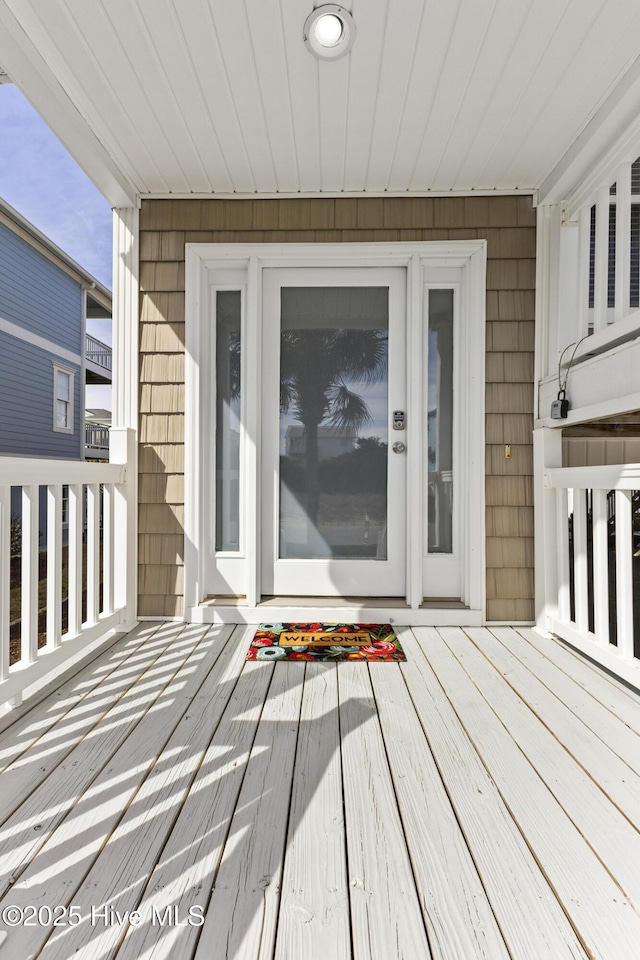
333, 423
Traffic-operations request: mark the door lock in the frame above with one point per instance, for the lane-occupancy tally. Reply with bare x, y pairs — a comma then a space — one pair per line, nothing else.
399, 447
398, 419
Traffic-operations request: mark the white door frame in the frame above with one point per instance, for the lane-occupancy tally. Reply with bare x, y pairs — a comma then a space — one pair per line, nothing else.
202, 262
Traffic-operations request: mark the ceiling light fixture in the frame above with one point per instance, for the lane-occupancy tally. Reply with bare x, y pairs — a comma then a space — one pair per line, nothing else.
329, 31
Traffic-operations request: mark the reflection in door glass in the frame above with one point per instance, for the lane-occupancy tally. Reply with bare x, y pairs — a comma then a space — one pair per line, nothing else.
228, 313
333, 423
440, 422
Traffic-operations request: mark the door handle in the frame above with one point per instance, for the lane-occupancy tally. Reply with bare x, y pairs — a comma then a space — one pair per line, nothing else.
399, 447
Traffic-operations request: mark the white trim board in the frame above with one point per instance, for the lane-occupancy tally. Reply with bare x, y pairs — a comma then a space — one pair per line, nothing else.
19, 333
203, 262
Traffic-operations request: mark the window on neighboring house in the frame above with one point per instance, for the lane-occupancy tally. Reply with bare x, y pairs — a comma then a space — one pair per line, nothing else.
62, 399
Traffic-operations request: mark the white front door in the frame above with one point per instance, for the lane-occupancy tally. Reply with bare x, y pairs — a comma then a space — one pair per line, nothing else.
333, 466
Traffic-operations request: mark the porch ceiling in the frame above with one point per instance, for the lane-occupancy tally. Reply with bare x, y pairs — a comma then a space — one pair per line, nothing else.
159, 97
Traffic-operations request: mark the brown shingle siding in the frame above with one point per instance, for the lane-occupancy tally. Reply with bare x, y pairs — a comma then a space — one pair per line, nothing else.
508, 225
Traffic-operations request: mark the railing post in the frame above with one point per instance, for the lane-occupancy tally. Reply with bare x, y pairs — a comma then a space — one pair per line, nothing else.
54, 564
600, 567
5, 578
547, 452
30, 563
624, 574
123, 450
74, 592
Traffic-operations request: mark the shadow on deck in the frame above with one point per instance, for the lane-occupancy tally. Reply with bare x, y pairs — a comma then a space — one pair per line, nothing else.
174, 801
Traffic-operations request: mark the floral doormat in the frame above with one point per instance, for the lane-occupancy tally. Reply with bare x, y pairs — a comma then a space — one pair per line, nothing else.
325, 641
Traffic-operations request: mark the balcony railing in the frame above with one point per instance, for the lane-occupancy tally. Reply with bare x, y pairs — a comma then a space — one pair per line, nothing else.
598, 563
56, 603
98, 352
96, 436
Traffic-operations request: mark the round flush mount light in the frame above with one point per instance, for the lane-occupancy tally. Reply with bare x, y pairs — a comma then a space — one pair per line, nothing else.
329, 31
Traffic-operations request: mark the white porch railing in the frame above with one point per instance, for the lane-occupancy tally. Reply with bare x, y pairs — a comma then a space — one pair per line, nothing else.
98, 352
88, 569
96, 436
598, 563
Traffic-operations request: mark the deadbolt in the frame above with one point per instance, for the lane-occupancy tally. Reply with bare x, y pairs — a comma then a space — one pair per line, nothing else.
399, 447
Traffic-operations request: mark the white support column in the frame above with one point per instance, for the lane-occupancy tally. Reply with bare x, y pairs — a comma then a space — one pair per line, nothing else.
124, 433
601, 274
548, 229
624, 574
75, 560
30, 563
600, 568
5, 578
54, 565
623, 240
122, 449
584, 256
547, 452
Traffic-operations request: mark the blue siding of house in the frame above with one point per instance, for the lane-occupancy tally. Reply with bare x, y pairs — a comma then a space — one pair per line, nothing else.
26, 403
37, 295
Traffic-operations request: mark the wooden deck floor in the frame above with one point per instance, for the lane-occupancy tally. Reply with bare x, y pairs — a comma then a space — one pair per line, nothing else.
480, 801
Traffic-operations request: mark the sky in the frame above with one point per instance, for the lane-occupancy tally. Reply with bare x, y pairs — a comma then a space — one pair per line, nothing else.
43, 183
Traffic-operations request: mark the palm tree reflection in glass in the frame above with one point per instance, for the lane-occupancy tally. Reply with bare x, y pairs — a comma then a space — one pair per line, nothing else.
333, 387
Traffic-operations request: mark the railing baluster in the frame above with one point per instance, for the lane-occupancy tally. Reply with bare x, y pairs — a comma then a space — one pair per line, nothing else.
75, 559
601, 275
30, 564
93, 552
580, 559
107, 549
563, 554
624, 574
623, 240
5, 579
600, 567
54, 565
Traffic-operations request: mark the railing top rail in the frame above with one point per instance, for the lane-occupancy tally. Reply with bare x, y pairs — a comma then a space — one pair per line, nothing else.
620, 476
98, 343
23, 471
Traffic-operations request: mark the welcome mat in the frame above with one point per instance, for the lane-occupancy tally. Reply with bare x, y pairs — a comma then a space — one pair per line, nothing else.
325, 641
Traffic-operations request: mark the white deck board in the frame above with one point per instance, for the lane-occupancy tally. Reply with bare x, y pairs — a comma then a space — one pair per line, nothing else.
314, 913
612, 774
613, 731
594, 902
464, 805
532, 921
459, 918
386, 918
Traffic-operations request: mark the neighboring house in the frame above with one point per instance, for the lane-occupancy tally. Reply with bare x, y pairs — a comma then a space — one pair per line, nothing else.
46, 355
400, 241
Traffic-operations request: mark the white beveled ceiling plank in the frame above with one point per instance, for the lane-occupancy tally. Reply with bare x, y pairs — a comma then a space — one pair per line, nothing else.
333, 87
179, 161
240, 67
433, 48
197, 144
198, 26
107, 78
504, 103
402, 32
598, 64
469, 35
264, 18
364, 76
303, 83
505, 34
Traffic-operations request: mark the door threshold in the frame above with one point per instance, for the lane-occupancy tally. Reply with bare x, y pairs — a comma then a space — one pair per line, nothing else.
333, 610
